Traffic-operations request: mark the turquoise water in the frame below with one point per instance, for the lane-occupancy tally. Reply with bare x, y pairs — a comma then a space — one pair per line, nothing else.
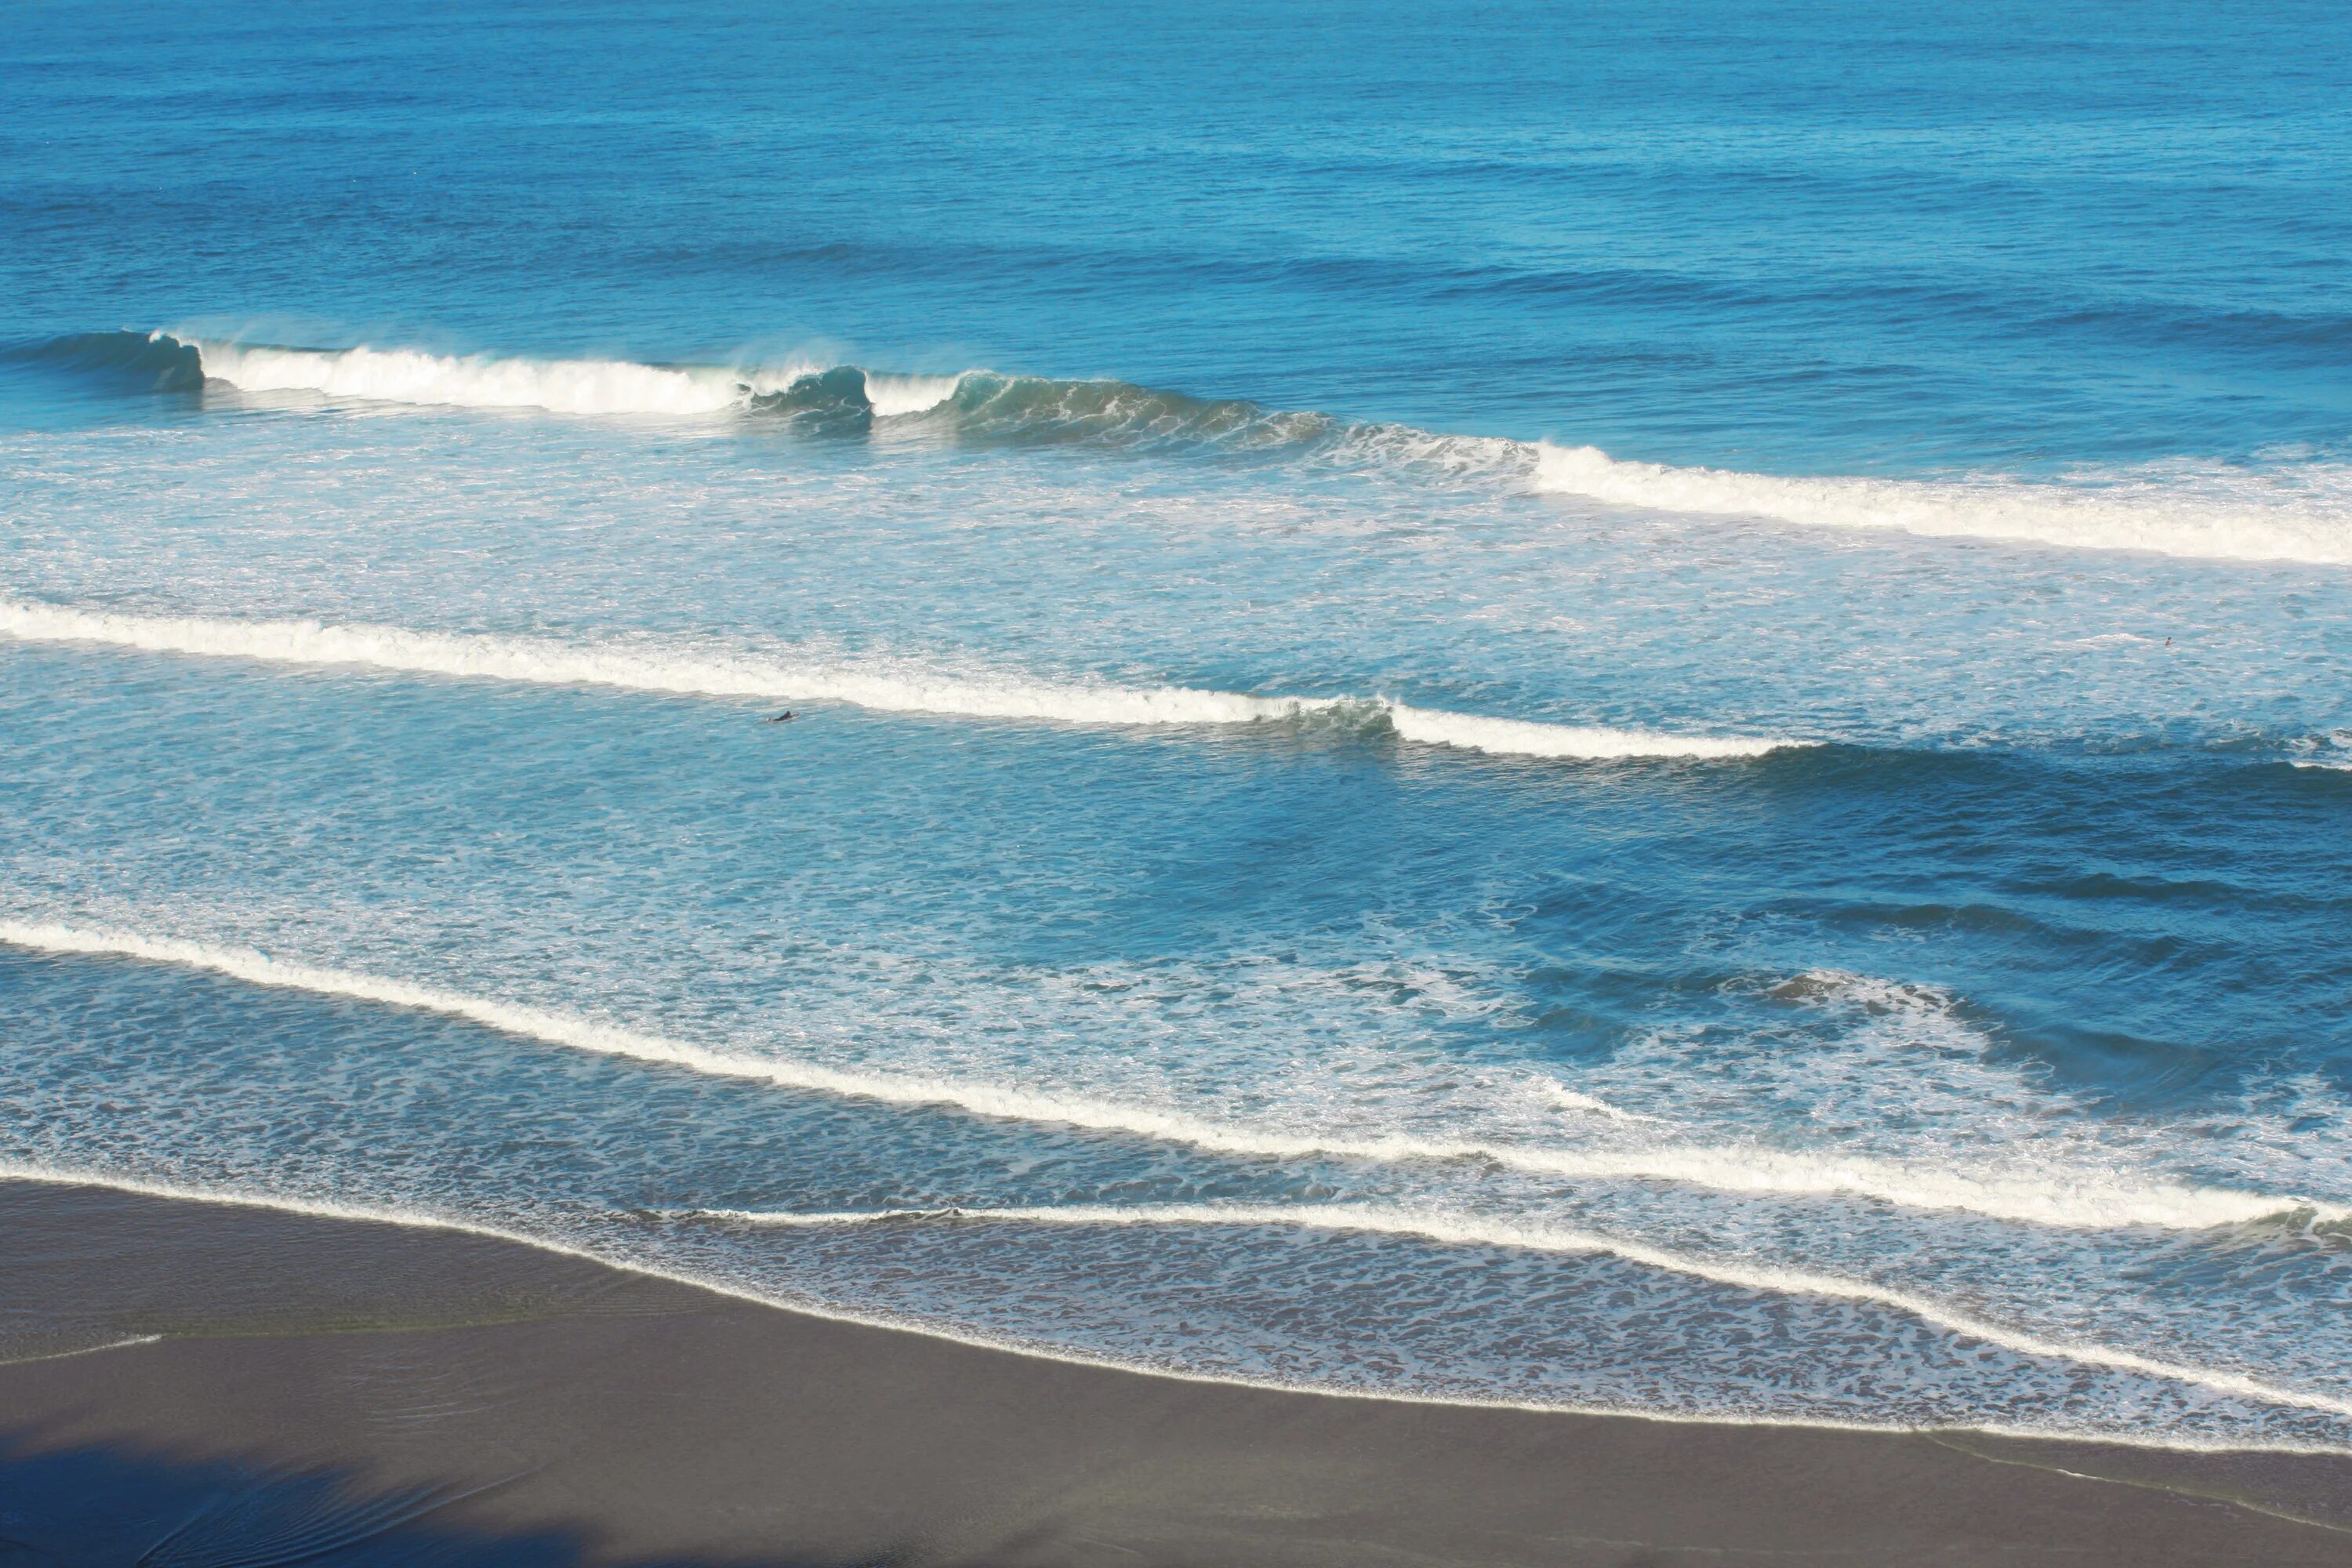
1640, 709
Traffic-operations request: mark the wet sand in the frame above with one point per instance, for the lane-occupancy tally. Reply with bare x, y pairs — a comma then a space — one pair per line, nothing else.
345, 1393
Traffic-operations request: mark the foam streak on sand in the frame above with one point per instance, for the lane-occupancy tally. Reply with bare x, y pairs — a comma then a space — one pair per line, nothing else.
1450, 1230
2063, 1197
885, 687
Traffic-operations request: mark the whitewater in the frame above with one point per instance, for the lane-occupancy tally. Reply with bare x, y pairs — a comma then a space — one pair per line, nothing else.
2297, 511
2083, 1197
1601, 727
887, 688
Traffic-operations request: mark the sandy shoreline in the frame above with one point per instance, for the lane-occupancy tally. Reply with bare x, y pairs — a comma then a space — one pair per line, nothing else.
347, 1393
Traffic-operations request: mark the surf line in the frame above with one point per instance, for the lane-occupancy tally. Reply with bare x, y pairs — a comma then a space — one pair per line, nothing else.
2070, 1199
2300, 513
882, 686
1467, 1231
423, 1220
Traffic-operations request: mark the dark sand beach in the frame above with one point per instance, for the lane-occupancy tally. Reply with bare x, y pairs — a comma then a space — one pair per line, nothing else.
337, 1392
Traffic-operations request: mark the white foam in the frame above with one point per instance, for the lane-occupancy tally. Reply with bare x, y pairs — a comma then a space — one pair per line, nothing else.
480, 381
1459, 1230
2059, 1197
2332, 751
1561, 1097
889, 687
891, 397
559, 386
2304, 514
1520, 737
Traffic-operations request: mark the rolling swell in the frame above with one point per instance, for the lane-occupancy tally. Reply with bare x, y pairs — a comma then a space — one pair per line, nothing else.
148, 362
977, 404
984, 408
2298, 512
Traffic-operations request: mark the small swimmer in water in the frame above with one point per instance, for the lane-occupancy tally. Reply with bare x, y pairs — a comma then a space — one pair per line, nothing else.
786, 717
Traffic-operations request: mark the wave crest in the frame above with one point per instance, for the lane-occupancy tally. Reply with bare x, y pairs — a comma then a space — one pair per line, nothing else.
2300, 513
972, 404
151, 362
482, 381
888, 686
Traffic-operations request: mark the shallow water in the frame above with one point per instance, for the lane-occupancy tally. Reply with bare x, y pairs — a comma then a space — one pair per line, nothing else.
1659, 722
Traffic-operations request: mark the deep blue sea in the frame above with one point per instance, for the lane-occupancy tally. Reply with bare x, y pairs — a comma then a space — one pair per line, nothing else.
1627, 707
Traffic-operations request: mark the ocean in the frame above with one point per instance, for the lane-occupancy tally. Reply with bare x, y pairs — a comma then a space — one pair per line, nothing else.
1621, 708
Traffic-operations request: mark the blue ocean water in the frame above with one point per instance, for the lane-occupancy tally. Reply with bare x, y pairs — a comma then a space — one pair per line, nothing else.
1640, 707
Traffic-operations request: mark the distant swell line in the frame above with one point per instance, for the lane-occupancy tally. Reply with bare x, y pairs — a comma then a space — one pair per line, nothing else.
1464, 1231
897, 689
2060, 1198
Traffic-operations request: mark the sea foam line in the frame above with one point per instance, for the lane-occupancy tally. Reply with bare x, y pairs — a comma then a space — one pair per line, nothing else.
888, 688
425, 1219
2300, 515
1468, 1231
2066, 1198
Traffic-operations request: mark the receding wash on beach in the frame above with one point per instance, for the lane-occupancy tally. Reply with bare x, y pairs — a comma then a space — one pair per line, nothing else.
1147, 785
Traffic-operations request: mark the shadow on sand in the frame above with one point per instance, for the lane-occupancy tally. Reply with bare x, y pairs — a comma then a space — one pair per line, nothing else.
111, 1507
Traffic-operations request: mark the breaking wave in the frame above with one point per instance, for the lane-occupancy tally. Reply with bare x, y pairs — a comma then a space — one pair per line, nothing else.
885, 686
2297, 512
479, 381
971, 405
2303, 513
2071, 1197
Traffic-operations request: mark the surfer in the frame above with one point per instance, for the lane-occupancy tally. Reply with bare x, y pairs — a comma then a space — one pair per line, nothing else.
786, 717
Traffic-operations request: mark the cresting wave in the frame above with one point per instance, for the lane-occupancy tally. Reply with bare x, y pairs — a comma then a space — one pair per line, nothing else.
1467, 1231
817, 396
421, 1219
2297, 512
885, 687
2060, 1197
480, 381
